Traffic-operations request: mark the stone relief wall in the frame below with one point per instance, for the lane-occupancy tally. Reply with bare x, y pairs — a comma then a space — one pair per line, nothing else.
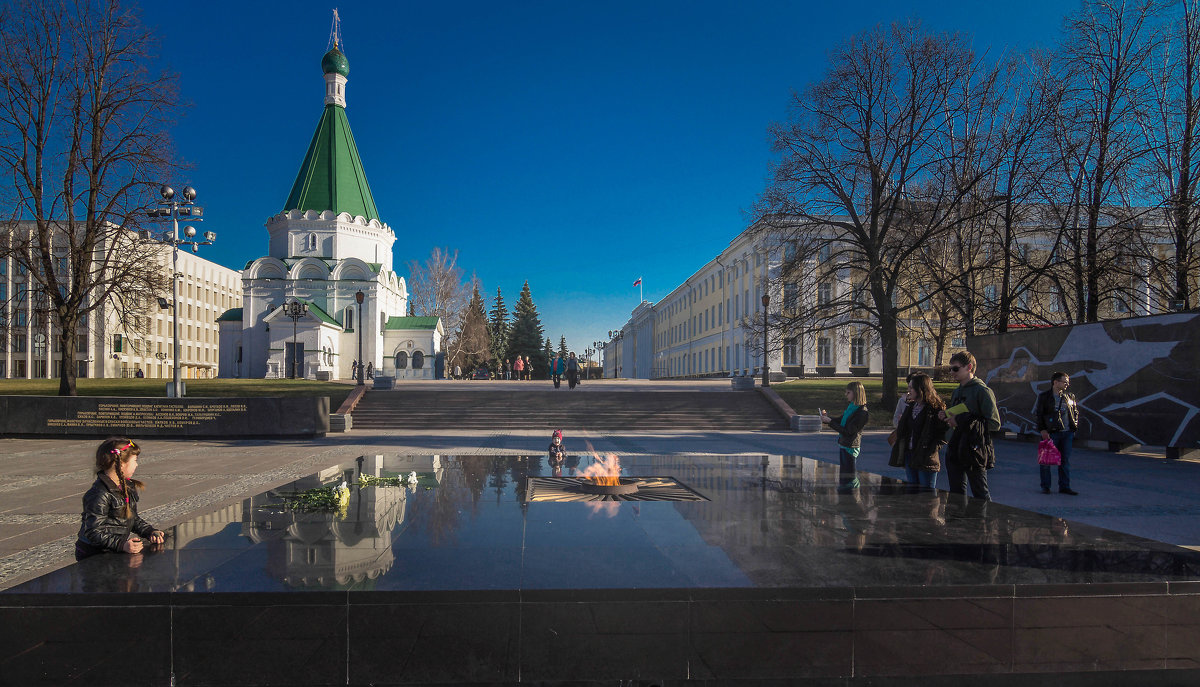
1137, 380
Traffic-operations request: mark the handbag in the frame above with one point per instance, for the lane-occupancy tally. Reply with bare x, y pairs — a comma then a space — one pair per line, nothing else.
892, 438
1048, 453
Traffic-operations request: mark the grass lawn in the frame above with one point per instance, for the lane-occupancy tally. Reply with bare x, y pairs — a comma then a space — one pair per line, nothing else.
195, 387
807, 395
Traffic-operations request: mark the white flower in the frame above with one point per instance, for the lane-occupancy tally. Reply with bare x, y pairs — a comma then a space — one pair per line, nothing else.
412, 478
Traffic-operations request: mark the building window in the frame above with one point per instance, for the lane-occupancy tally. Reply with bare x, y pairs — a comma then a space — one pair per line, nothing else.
958, 342
858, 351
925, 353
18, 343
418, 360
310, 242
790, 351
791, 296
824, 351
825, 252
824, 293
402, 360
989, 293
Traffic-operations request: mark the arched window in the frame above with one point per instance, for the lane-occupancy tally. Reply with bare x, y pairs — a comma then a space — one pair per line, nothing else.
350, 317
402, 360
310, 242
418, 360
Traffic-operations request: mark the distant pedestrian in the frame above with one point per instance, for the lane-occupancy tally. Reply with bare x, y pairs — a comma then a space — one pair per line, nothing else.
457, 372
920, 433
371, 370
572, 371
110, 521
528, 368
139, 374
557, 368
849, 428
972, 417
504, 369
354, 370
519, 368
1058, 420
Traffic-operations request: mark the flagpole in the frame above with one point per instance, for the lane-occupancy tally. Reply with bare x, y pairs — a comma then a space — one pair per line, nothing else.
640, 299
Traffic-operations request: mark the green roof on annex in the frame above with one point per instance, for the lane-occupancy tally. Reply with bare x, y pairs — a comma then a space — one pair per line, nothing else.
429, 322
332, 175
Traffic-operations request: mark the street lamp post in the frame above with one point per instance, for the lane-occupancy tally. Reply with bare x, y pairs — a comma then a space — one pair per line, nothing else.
358, 298
766, 300
170, 207
295, 311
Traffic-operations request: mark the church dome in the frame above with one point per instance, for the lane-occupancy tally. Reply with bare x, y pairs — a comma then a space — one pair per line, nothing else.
335, 62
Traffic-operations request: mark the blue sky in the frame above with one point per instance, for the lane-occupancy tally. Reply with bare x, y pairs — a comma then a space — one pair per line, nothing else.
575, 145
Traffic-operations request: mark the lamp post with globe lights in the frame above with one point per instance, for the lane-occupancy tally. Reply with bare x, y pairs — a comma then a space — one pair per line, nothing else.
358, 298
173, 207
295, 311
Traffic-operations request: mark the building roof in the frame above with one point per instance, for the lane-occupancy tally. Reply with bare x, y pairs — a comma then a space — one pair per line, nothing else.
332, 176
412, 323
316, 311
231, 315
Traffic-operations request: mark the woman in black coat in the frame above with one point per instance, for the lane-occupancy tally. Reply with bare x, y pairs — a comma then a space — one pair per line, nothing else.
920, 433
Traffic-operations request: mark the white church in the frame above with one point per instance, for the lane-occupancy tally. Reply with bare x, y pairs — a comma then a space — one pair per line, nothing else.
300, 315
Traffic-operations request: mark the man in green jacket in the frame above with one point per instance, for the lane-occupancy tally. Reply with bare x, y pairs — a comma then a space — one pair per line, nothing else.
970, 453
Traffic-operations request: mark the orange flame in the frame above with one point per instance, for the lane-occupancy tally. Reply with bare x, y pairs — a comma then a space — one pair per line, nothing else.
605, 471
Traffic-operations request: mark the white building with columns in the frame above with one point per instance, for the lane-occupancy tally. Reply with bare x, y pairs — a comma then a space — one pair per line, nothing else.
326, 246
700, 328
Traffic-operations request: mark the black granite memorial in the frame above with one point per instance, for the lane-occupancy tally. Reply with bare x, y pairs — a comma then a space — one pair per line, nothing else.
101, 416
749, 569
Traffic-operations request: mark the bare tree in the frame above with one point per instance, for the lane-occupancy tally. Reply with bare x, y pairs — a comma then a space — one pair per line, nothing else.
1172, 135
1104, 59
438, 288
83, 136
882, 155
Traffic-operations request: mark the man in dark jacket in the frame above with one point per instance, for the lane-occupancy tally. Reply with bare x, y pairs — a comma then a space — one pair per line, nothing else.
1058, 418
970, 454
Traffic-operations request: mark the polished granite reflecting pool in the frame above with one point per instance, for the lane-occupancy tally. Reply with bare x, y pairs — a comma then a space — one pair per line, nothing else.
488, 569
469, 523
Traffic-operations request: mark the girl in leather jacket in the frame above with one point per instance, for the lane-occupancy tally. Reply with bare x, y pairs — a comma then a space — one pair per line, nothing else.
110, 521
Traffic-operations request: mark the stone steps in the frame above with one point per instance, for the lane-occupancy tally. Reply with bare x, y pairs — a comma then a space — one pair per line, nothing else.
565, 409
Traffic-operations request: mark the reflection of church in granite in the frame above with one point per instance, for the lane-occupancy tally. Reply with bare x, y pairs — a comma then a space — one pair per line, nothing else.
324, 549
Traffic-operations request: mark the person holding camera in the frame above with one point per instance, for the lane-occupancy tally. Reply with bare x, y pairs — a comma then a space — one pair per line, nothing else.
1058, 418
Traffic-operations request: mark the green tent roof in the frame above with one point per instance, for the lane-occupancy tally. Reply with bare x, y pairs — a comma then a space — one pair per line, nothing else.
412, 323
231, 315
332, 176
320, 314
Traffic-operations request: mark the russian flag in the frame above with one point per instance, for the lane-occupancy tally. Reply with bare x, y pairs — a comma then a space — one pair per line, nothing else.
638, 282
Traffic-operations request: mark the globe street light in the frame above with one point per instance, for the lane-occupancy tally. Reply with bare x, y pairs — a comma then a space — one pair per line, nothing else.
170, 207
295, 311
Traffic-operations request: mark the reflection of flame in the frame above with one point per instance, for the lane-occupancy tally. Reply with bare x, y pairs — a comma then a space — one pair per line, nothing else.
608, 509
605, 471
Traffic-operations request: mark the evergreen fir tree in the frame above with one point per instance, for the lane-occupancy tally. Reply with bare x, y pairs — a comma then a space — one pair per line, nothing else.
562, 346
498, 326
472, 342
525, 333
548, 350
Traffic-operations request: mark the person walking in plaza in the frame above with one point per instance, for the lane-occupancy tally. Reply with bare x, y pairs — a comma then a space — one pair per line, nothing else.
849, 429
528, 369
972, 417
110, 521
1058, 419
557, 367
519, 368
370, 370
920, 433
572, 370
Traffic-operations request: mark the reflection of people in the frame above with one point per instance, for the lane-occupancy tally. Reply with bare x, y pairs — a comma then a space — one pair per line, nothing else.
970, 453
557, 452
1058, 419
849, 429
920, 433
110, 521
